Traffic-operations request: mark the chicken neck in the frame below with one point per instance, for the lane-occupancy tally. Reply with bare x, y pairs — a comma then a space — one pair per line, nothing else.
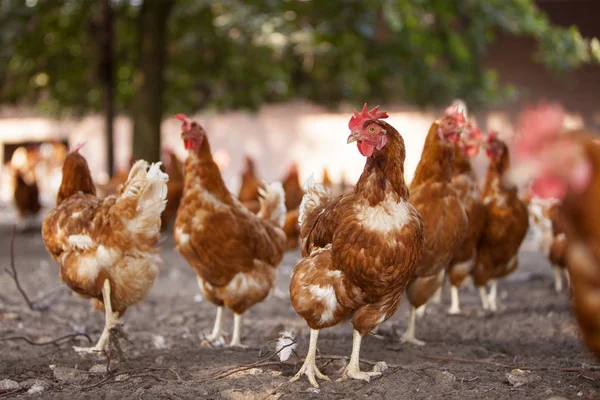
385, 167
436, 160
200, 168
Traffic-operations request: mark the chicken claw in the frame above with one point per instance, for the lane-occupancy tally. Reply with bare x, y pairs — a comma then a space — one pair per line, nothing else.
355, 373
353, 369
409, 335
216, 337
309, 368
112, 325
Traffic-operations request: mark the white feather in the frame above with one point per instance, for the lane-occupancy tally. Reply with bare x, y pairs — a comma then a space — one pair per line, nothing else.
273, 193
286, 344
313, 193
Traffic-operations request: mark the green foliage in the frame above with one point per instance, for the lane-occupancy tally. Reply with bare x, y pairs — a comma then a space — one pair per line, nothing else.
239, 54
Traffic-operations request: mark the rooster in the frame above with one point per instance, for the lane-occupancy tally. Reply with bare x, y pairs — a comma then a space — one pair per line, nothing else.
433, 195
465, 185
106, 248
506, 224
566, 165
233, 251
360, 248
251, 185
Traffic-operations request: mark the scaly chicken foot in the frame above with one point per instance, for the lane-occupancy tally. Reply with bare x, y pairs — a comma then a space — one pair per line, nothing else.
216, 337
309, 368
112, 322
353, 369
455, 301
409, 334
236, 340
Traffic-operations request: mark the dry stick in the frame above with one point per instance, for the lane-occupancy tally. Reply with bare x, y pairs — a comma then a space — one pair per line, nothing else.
55, 341
13, 274
6, 394
467, 360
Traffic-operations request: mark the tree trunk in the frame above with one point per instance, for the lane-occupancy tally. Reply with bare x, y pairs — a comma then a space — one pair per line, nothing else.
107, 78
147, 105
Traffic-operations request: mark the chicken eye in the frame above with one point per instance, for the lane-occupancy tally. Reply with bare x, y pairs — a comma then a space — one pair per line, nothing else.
372, 129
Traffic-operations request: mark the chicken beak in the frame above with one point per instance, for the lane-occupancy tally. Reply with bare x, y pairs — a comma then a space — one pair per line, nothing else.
354, 136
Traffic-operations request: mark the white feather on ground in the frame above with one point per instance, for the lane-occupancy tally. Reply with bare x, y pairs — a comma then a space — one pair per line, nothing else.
286, 344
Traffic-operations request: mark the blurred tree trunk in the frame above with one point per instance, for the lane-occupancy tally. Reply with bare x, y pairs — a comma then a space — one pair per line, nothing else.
147, 107
107, 77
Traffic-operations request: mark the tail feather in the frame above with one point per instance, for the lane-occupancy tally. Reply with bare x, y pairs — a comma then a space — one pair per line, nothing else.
147, 188
272, 203
314, 194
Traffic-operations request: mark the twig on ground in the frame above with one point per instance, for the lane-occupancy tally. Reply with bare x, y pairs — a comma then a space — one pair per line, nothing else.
467, 361
15, 391
55, 341
13, 271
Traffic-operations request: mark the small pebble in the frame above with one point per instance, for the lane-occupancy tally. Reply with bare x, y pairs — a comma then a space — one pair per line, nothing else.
7, 384
518, 377
99, 369
381, 366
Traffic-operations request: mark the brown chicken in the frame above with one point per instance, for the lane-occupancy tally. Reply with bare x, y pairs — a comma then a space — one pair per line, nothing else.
566, 166
26, 194
465, 185
106, 248
291, 227
506, 224
293, 190
327, 181
361, 248
173, 168
233, 251
251, 185
433, 195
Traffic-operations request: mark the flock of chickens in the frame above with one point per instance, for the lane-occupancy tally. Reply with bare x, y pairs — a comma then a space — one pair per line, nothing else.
362, 249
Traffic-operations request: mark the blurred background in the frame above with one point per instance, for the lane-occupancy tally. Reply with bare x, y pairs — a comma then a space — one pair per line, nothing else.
273, 79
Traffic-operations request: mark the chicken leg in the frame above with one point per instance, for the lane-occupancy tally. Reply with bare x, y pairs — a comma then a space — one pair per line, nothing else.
492, 298
309, 368
409, 334
216, 337
236, 340
455, 301
558, 284
353, 369
485, 304
111, 321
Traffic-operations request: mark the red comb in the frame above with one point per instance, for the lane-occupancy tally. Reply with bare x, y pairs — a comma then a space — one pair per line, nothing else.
187, 123
455, 110
77, 147
536, 124
357, 120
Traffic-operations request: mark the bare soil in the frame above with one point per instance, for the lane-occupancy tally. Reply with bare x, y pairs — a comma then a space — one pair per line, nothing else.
466, 357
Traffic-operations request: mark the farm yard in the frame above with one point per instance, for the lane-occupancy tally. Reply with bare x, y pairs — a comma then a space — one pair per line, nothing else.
286, 199
466, 357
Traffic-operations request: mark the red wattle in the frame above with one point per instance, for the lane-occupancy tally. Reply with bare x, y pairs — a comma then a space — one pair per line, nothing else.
365, 148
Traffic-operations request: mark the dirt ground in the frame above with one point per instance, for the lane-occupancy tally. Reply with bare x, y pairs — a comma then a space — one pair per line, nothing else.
466, 357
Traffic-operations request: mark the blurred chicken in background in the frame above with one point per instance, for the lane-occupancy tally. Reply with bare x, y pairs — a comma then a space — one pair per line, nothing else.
249, 190
26, 192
